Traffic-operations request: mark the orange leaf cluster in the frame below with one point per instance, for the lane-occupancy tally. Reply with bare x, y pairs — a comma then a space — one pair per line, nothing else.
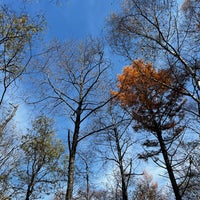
140, 84
151, 96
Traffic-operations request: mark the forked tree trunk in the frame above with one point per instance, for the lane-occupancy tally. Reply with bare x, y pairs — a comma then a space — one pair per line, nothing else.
72, 149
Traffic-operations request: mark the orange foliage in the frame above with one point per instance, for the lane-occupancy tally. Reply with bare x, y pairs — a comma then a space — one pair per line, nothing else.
149, 94
141, 83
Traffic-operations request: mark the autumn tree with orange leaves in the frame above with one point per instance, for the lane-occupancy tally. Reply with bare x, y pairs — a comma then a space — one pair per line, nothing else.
152, 97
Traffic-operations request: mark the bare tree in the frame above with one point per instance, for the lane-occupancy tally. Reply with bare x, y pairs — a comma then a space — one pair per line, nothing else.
73, 83
84, 174
116, 145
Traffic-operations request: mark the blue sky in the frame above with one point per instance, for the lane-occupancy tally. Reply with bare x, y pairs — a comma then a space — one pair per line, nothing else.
71, 18
78, 18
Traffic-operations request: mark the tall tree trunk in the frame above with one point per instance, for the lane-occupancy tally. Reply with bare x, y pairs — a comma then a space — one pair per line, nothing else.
168, 166
30, 188
124, 185
70, 183
28, 193
72, 149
